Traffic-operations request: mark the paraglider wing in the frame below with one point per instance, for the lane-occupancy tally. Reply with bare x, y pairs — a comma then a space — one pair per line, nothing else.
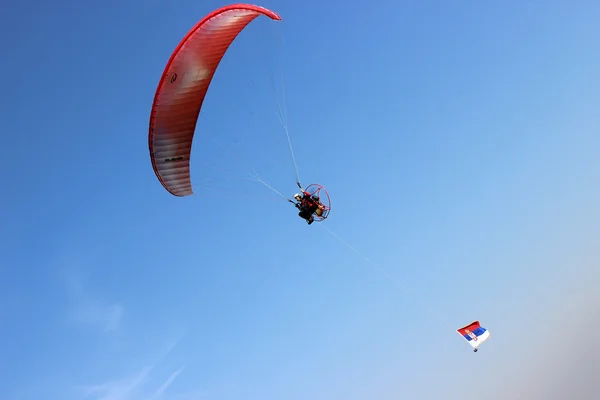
182, 88
474, 334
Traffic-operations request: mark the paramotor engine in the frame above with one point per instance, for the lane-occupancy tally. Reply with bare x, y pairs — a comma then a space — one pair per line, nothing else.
317, 191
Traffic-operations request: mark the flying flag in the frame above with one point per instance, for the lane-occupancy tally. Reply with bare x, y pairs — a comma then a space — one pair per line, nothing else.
474, 334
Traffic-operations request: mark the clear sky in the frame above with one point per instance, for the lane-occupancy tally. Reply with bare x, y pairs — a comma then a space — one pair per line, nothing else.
459, 142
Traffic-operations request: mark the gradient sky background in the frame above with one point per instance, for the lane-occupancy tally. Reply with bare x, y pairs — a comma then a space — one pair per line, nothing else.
459, 142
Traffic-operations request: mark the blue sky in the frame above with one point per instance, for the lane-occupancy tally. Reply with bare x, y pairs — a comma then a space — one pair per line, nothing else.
459, 143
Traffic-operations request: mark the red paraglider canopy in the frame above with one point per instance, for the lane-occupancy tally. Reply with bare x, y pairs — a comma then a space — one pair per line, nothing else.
182, 89
319, 191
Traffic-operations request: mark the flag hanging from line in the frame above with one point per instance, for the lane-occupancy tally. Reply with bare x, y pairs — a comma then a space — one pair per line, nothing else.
474, 334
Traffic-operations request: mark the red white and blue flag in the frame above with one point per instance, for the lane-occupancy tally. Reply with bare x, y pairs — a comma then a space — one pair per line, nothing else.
474, 334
